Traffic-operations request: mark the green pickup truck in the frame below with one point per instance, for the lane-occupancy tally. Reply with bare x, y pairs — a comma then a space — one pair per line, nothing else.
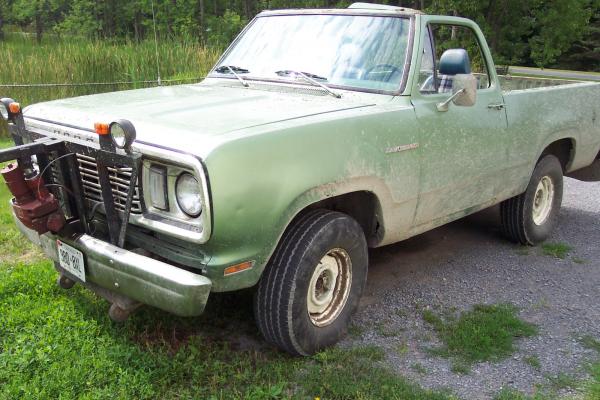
318, 134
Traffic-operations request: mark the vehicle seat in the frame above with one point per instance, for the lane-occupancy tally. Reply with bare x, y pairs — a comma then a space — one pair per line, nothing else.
452, 62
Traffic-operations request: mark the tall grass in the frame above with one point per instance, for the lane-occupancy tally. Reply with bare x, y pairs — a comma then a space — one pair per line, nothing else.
78, 60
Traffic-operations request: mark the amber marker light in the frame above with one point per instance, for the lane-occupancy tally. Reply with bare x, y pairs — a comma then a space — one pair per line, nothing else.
101, 128
14, 108
234, 269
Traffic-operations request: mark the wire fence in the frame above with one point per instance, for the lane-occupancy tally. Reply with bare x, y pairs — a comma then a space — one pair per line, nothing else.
30, 93
84, 84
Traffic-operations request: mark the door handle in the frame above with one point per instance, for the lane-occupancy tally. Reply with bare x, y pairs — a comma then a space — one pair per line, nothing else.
496, 106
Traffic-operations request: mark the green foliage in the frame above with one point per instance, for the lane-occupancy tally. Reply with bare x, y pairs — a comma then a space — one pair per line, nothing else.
533, 361
562, 381
560, 24
593, 386
77, 60
487, 332
520, 32
352, 374
510, 394
591, 343
557, 250
61, 344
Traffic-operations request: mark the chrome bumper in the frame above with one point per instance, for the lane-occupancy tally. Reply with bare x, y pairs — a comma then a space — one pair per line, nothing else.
132, 275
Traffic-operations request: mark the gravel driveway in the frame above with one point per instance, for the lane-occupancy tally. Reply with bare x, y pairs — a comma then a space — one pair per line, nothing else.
467, 263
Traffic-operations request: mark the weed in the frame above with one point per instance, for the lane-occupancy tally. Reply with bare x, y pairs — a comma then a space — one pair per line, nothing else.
487, 332
77, 60
562, 381
351, 374
402, 349
512, 394
419, 368
533, 362
590, 342
460, 367
355, 331
384, 330
557, 250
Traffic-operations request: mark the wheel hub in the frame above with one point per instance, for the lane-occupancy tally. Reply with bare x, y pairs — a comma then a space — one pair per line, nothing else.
543, 201
329, 287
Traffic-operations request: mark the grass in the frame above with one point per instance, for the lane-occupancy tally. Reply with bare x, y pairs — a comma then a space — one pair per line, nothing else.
383, 329
419, 368
485, 333
533, 362
77, 60
556, 250
511, 394
61, 344
563, 381
592, 388
590, 342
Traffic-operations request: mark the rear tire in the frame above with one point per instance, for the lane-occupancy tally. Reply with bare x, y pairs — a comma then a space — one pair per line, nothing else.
529, 218
313, 283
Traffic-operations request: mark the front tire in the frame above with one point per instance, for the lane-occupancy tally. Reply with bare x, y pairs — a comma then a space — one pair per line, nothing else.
313, 283
529, 218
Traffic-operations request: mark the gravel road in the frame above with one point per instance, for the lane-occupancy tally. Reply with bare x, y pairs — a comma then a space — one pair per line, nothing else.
467, 263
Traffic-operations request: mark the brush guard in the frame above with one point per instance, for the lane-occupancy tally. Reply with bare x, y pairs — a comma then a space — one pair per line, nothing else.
38, 208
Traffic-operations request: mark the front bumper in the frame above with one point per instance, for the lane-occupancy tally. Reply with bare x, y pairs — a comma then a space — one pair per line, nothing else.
128, 275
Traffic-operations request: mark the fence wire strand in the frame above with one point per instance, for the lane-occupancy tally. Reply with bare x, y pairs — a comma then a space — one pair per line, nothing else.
53, 85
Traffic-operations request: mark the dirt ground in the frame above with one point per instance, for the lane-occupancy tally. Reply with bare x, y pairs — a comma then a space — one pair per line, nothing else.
469, 262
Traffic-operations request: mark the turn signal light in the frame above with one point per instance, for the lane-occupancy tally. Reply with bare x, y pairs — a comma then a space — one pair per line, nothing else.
14, 108
234, 269
101, 128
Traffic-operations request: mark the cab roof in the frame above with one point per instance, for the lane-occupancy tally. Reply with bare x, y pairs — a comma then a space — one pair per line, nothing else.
353, 9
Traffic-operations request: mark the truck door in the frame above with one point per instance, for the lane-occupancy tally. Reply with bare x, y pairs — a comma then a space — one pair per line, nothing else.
463, 149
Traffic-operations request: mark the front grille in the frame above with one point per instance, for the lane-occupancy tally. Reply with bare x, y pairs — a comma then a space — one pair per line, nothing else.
120, 178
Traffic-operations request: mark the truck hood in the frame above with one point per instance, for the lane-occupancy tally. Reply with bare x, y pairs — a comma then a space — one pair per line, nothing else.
191, 118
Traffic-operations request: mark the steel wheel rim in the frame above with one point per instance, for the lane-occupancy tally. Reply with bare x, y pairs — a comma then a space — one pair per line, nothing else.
543, 200
329, 287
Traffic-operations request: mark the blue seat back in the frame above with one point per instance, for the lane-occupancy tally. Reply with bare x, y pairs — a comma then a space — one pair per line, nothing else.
454, 62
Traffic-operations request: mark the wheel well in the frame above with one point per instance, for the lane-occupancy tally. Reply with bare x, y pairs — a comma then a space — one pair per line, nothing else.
563, 150
363, 206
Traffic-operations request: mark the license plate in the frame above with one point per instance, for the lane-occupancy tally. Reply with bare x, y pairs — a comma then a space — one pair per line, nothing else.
71, 260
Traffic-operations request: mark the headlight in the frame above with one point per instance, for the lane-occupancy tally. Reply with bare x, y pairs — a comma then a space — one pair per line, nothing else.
9, 108
189, 194
123, 134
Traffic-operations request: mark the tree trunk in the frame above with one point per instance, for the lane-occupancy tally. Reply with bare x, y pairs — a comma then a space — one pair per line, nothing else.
201, 26
137, 26
39, 27
1, 26
454, 27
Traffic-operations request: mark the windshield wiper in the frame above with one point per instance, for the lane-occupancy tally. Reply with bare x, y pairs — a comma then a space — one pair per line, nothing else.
223, 69
312, 78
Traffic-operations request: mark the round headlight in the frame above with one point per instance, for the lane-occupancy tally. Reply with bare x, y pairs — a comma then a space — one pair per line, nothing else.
189, 194
123, 133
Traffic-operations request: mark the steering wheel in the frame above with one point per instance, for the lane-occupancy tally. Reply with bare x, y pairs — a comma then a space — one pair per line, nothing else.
389, 70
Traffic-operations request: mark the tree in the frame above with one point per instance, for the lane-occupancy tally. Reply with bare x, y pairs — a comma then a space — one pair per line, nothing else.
559, 24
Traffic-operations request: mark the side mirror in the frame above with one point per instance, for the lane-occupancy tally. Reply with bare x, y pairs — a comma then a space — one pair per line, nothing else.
467, 84
464, 92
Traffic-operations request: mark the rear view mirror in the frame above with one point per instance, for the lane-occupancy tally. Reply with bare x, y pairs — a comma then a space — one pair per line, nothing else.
467, 85
464, 92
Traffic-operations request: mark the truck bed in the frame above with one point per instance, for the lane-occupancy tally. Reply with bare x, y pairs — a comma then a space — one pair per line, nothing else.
510, 83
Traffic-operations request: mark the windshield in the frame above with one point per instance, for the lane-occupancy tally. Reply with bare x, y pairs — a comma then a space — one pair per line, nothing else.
365, 52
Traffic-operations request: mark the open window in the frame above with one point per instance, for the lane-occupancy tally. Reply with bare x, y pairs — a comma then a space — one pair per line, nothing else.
439, 38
